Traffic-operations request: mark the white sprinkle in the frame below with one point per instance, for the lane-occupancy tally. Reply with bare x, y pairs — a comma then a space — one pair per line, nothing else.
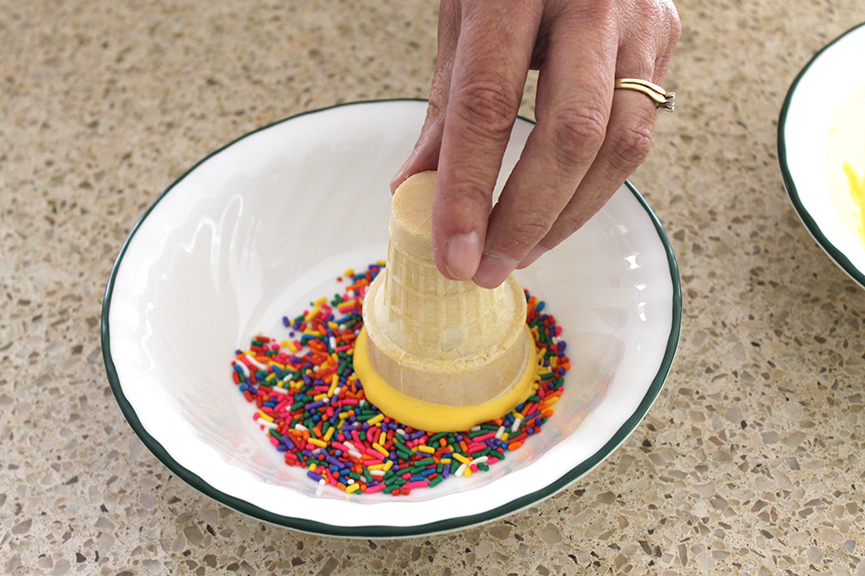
499, 432
460, 470
256, 362
267, 424
516, 425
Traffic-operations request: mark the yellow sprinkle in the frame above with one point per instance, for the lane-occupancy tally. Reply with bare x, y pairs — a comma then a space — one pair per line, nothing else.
344, 415
467, 472
320, 301
317, 442
378, 448
549, 402
292, 347
312, 467
445, 460
381, 262
383, 438
375, 420
352, 488
265, 416
505, 436
312, 314
321, 396
376, 466
461, 458
329, 434
349, 272
388, 465
427, 449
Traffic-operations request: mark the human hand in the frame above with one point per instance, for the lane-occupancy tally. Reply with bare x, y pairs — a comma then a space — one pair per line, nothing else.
587, 141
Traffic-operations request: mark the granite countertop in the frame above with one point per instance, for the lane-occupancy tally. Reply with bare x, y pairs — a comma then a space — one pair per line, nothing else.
750, 461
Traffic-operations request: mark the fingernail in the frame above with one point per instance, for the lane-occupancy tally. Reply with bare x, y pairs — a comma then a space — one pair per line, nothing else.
401, 174
533, 255
462, 253
493, 270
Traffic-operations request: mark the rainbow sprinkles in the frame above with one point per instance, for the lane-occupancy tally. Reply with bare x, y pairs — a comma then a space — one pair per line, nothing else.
312, 406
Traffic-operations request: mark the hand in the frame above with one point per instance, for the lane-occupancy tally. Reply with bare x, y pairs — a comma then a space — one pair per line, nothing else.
587, 141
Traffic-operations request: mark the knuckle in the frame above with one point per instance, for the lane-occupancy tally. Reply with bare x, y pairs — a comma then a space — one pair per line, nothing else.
675, 27
631, 145
486, 107
524, 231
434, 108
578, 135
568, 223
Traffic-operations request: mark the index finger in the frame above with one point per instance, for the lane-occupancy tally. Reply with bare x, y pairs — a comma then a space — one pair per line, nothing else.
490, 66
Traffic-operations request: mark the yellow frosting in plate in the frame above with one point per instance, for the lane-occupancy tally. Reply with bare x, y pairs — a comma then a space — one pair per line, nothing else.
845, 163
431, 417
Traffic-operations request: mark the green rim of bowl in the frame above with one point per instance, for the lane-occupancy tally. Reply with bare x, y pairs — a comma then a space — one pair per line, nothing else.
383, 531
810, 223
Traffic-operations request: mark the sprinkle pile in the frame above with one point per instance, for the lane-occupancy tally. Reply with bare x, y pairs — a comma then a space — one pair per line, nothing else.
312, 405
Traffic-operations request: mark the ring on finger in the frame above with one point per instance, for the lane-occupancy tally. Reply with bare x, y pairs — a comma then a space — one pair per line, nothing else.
663, 100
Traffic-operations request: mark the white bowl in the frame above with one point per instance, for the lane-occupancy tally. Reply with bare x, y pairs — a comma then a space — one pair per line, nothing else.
261, 227
822, 125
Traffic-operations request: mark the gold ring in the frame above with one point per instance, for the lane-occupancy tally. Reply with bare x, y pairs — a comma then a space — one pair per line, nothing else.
663, 99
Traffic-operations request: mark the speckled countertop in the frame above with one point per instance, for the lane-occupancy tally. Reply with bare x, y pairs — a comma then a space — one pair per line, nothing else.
749, 463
